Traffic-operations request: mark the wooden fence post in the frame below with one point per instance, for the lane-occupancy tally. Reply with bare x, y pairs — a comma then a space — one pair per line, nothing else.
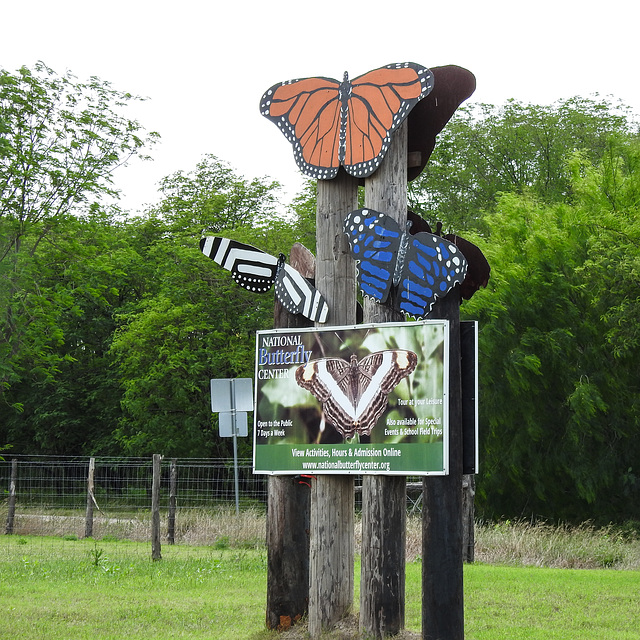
384, 498
288, 504
88, 518
171, 518
442, 577
332, 496
11, 507
156, 553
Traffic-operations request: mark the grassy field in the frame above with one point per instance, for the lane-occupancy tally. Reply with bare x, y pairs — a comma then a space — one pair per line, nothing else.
64, 588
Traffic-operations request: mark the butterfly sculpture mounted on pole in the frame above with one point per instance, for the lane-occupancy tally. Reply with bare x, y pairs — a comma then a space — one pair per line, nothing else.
349, 123
423, 266
258, 271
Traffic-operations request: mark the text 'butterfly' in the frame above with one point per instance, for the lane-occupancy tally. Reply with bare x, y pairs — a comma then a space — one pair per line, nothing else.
354, 394
349, 123
258, 271
423, 266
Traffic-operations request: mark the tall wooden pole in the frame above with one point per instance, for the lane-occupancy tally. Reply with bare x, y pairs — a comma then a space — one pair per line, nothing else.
442, 578
384, 510
332, 496
288, 505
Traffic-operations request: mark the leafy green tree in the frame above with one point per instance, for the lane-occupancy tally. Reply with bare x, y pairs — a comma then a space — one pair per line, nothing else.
60, 142
558, 349
193, 322
516, 147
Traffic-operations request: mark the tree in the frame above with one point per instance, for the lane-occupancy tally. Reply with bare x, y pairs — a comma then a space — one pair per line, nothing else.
60, 141
558, 348
193, 322
486, 150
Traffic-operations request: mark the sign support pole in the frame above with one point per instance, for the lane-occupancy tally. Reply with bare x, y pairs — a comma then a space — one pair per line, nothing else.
384, 498
332, 497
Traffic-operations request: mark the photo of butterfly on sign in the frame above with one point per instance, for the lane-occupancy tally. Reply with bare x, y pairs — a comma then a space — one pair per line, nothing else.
361, 399
333, 124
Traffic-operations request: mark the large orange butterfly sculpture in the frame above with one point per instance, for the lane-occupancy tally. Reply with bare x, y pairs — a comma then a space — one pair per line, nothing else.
348, 123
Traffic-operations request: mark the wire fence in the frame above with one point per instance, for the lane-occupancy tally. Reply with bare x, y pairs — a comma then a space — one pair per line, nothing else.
112, 497
108, 497
124, 484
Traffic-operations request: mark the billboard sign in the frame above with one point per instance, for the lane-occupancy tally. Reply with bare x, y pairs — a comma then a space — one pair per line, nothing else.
365, 399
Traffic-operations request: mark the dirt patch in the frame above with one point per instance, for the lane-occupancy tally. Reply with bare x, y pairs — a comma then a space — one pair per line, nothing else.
346, 629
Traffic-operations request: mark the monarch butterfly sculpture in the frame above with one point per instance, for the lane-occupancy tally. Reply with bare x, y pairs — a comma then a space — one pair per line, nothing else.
348, 123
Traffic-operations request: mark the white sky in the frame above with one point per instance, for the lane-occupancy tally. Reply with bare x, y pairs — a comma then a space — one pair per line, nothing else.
186, 55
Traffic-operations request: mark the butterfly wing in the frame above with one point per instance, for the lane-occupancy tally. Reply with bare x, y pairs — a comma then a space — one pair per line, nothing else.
380, 373
378, 103
354, 395
308, 112
375, 240
328, 380
251, 268
432, 266
298, 295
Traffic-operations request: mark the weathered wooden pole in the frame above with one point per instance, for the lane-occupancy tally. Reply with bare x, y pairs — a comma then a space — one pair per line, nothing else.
156, 553
88, 518
442, 579
384, 499
332, 496
288, 504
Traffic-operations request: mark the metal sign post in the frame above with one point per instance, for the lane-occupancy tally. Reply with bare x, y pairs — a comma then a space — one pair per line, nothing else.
232, 398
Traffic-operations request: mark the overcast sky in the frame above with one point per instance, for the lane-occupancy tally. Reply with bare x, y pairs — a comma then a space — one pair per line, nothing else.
205, 65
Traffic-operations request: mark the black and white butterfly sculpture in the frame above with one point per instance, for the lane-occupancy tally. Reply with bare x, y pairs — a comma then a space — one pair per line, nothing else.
423, 266
258, 271
355, 394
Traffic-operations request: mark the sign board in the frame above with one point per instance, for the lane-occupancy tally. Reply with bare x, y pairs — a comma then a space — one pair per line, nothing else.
231, 394
233, 423
365, 399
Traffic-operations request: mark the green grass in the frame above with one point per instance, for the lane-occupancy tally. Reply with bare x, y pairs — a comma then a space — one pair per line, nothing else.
66, 589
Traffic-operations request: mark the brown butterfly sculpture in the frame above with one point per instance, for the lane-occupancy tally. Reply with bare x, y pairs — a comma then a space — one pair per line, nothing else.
354, 394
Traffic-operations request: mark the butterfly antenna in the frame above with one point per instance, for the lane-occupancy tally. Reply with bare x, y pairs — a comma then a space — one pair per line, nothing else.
438, 231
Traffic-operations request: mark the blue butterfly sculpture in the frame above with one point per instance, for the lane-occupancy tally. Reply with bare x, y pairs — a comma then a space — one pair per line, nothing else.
423, 266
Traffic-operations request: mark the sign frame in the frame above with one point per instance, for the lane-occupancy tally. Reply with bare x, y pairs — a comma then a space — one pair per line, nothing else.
411, 436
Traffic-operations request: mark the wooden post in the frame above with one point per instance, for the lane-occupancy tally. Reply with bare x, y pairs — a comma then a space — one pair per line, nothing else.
155, 509
88, 518
332, 496
287, 552
384, 498
442, 579
11, 507
468, 517
171, 518
288, 504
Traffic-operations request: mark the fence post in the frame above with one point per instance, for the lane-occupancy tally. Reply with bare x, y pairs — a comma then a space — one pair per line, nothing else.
12, 496
88, 519
171, 520
155, 509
